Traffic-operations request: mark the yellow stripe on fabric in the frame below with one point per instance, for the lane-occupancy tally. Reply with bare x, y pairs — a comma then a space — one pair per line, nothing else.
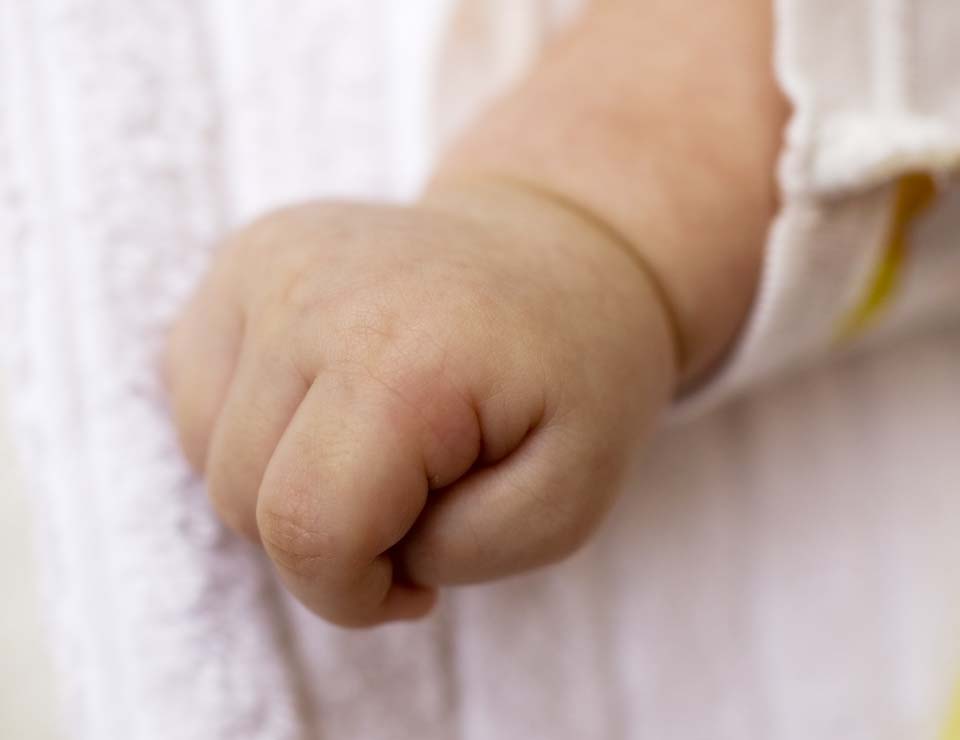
915, 194
952, 730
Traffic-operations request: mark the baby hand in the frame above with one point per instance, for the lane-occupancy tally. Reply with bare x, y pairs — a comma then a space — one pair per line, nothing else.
392, 400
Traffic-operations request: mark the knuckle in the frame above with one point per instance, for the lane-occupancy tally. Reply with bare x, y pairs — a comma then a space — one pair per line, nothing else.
298, 295
289, 530
374, 328
292, 542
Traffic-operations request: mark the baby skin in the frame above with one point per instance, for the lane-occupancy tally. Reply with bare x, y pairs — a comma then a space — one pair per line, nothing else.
394, 399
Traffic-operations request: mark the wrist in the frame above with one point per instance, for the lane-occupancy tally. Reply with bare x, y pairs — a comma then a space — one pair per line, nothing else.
614, 125
570, 241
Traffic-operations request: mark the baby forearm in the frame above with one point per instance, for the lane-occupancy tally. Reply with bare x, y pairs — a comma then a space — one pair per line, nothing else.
661, 121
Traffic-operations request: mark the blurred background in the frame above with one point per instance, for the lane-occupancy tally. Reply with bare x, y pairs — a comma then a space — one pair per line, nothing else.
28, 697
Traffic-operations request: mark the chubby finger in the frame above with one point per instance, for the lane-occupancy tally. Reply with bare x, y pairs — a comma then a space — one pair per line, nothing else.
198, 364
263, 397
534, 507
347, 481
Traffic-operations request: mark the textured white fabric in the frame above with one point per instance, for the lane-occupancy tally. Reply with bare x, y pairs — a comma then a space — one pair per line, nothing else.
873, 89
26, 677
781, 569
110, 188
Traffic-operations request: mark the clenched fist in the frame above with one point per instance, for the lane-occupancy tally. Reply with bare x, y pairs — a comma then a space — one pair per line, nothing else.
394, 399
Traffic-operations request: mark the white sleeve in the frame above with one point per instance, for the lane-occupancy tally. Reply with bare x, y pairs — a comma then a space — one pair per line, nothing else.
867, 241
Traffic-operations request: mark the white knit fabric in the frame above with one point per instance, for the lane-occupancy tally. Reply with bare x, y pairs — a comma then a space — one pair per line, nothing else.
782, 569
111, 187
874, 93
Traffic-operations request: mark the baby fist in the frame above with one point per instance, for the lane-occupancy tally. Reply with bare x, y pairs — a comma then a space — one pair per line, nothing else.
394, 399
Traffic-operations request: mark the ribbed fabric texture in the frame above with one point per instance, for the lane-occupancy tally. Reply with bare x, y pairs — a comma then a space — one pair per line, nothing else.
112, 186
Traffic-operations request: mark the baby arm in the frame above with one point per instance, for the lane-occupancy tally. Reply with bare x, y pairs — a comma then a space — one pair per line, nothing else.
395, 399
